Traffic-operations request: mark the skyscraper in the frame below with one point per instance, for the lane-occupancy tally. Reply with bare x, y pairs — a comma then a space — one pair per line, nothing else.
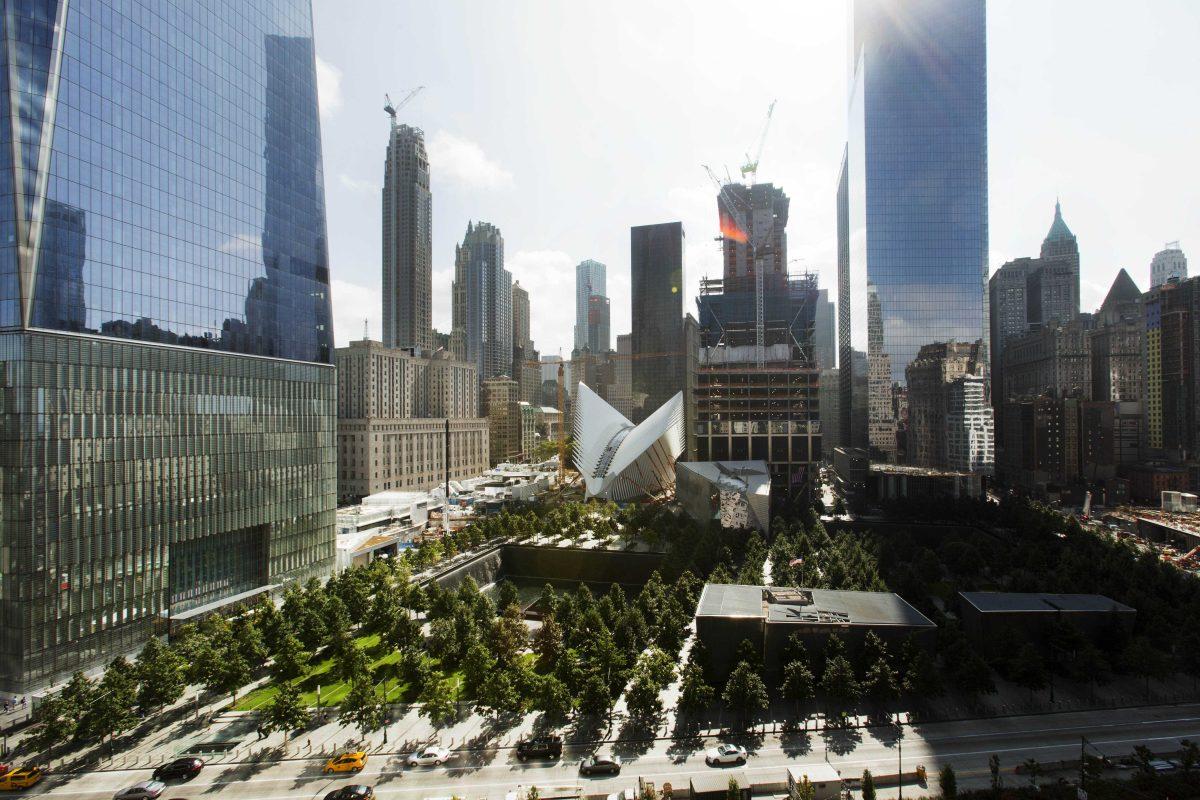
1170, 262
599, 339
764, 208
590, 279
482, 300
656, 272
825, 331
913, 196
164, 292
407, 241
520, 317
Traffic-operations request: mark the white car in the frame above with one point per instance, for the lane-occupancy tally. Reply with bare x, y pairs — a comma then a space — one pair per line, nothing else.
725, 754
434, 755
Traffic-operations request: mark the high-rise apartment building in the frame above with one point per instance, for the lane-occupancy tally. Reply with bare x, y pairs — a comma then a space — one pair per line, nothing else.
656, 272
1172, 372
167, 427
913, 194
501, 405
930, 378
393, 404
407, 241
590, 279
969, 431
482, 300
1168, 263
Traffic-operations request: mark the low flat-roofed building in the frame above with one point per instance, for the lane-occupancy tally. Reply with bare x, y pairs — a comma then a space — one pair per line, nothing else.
986, 615
737, 494
768, 615
902, 481
822, 777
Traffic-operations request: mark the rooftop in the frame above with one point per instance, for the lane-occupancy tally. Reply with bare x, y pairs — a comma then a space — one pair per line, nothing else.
808, 606
1040, 601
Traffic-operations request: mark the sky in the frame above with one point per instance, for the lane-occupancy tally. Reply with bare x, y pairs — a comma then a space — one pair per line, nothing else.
566, 123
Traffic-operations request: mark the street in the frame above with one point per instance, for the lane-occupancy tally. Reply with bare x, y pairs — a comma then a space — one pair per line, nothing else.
491, 773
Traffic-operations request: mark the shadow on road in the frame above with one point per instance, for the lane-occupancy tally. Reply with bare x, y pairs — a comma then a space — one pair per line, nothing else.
795, 743
685, 740
841, 740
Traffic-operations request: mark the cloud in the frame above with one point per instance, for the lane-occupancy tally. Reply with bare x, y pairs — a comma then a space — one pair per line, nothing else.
351, 304
463, 161
549, 277
358, 184
244, 245
329, 87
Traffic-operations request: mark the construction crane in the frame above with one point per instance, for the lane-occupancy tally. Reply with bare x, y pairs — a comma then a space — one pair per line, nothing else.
393, 109
751, 166
759, 246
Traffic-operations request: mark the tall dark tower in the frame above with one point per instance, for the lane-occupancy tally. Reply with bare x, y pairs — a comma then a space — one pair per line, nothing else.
407, 241
656, 270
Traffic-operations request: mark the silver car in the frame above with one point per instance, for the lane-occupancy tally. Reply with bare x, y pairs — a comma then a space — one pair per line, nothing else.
142, 790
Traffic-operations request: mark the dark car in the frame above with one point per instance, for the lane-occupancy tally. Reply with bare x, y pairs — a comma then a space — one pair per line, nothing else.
179, 769
598, 765
540, 747
352, 792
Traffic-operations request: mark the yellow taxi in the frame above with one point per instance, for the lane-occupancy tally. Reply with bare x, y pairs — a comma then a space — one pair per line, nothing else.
21, 778
346, 762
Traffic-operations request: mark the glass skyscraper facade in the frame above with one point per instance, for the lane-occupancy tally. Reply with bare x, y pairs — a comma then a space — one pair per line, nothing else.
167, 401
913, 214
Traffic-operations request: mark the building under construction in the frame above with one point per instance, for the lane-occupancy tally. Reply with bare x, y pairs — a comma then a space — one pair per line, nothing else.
759, 402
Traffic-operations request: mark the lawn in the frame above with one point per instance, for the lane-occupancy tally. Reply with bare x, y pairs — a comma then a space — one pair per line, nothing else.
332, 690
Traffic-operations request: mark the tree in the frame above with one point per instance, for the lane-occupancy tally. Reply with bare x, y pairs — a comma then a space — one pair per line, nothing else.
1033, 769
362, 706
798, 684
111, 709
968, 670
595, 699
437, 700
839, 683
509, 636
805, 789
290, 658
499, 694
269, 621
285, 711
794, 650
1189, 755
734, 792
350, 661
868, 785
658, 666
478, 663
159, 673
641, 698
745, 693
548, 642
948, 782
56, 720
1142, 658
507, 594
997, 780
1028, 669
553, 699
922, 678
249, 640
880, 683
404, 632
695, 694
443, 637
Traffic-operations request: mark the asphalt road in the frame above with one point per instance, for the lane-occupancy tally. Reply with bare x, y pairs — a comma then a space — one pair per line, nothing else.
478, 774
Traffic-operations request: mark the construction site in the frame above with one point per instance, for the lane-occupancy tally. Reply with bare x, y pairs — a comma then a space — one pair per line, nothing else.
1173, 535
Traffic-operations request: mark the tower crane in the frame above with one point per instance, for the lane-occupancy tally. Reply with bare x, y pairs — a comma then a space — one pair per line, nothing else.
393, 109
751, 166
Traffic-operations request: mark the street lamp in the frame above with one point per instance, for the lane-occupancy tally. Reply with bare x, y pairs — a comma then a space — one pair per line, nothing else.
899, 756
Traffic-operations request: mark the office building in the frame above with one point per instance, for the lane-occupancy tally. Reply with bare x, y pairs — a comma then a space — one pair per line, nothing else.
828, 399
501, 406
482, 300
393, 404
1110, 435
620, 391
590, 280
1172, 377
825, 331
407, 241
656, 273
763, 209
752, 405
520, 317
912, 197
969, 431
167, 434
1054, 284
1054, 360
1116, 344
931, 377
1168, 263
599, 338
526, 370
531, 423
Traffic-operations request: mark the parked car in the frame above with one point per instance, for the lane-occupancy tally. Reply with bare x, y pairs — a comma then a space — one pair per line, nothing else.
599, 765
179, 769
540, 747
21, 778
355, 791
346, 762
725, 754
142, 790
434, 755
